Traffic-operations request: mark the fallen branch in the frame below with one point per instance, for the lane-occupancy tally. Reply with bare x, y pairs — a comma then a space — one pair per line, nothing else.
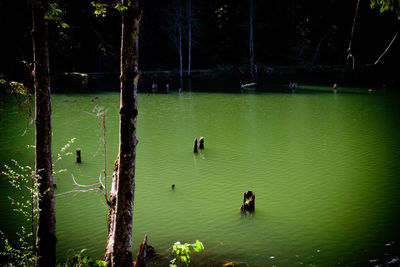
91, 187
83, 185
387, 48
78, 191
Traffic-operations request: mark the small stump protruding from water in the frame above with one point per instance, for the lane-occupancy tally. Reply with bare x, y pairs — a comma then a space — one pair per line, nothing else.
201, 142
249, 198
78, 156
141, 255
195, 145
173, 186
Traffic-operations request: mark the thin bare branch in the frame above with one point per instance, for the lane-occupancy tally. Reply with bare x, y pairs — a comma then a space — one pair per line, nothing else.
78, 191
83, 185
387, 48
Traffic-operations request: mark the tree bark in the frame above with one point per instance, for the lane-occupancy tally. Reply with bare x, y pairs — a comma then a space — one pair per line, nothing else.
189, 14
119, 243
180, 52
317, 50
46, 222
252, 67
349, 49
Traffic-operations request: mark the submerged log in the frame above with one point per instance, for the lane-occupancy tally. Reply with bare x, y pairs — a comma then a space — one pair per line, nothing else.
201, 143
195, 145
78, 156
249, 198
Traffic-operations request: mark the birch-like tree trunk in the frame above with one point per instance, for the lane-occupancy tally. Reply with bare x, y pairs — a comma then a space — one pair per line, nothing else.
252, 67
180, 52
119, 242
46, 222
189, 17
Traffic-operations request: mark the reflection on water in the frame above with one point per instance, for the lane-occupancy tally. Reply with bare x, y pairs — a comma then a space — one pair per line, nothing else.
324, 168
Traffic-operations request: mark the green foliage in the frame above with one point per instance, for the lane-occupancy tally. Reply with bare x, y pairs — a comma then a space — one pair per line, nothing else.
63, 152
183, 251
54, 13
22, 254
22, 95
387, 5
14, 87
120, 7
26, 181
86, 261
100, 9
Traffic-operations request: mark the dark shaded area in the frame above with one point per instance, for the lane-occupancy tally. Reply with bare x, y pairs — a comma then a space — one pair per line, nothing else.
287, 34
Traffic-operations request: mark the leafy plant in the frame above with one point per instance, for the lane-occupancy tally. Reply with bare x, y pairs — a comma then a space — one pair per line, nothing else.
100, 9
54, 13
183, 251
22, 254
386, 5
26, 181
86, 261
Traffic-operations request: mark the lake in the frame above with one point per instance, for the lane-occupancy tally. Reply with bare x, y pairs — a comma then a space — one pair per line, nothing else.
324, 168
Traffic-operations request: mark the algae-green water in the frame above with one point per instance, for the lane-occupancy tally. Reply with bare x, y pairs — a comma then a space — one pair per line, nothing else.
324, 168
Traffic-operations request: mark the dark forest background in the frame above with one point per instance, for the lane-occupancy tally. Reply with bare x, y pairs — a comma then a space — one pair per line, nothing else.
287, 34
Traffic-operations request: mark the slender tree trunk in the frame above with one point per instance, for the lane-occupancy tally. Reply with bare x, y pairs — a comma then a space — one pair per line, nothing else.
349, 49
317, 50
189, 14
252, 67
46, 223
292, 20
180, 52
119, 243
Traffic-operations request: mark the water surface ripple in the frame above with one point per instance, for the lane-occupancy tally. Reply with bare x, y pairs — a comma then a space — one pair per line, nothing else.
324, 169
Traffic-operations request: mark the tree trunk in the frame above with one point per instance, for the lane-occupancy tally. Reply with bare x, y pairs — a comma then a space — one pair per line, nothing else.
46, 222
317, 50
189, 14
119, 243
252, 67
180, 51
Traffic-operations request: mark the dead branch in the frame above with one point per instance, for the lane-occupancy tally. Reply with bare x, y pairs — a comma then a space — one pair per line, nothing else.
387, 48
349, 52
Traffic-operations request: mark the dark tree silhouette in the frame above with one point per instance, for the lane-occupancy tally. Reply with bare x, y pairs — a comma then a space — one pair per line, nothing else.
119, 242
46, 224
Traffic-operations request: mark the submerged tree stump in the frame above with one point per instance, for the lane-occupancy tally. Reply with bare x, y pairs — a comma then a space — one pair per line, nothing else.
78, 156
201, 143
141, 255
249, 198
195, 145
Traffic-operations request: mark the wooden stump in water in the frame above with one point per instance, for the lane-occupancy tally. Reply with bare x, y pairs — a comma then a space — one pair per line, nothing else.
141, 255
195, 145
201, 143
78, 156
249, 198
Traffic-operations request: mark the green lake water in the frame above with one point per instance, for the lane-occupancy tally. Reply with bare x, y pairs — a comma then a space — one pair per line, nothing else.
325, 170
